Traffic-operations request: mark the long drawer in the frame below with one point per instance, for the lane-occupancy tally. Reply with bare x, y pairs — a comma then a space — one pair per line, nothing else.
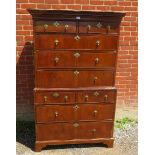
76, 130
69, 97
75, 78
59, 59
58, 41
76, 112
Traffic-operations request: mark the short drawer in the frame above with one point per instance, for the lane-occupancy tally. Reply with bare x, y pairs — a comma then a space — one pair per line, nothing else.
98, 27
56, 113
55, 26
55, 41
49, 97
106, 96
75, 78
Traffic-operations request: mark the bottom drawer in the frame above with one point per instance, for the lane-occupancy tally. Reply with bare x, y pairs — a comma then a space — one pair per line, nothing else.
78, 130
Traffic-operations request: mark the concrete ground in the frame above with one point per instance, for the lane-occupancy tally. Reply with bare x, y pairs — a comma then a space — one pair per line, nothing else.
126, 141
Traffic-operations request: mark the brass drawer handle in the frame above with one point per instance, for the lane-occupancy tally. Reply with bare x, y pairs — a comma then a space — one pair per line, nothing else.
86, 97
45, 98
96, 93
56, 60
97, 60
56, 42
45, 27
105, 97
108, 27
93, 131
77, 37
66, 27
76, 107
56, 114
55, 95
95, 112
98, 43
75, 125
89, 27
76, 55
95, 79
66, 98
76, 72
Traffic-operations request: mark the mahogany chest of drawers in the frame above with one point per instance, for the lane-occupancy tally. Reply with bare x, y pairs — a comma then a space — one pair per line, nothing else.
75, 56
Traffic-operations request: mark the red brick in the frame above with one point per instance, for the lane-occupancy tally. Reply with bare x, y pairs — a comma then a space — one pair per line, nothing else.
124, 3
103, 8
37, 1
67, 1
88, 7
96, 2
21, 11
18, 27
130, 8
58, 6
17, 6
19, 38
21, 1
110, 3
117, 8
27, 27
82, 1
75, 7
43, 6
52, 1
22, 22
22, 32
27, 6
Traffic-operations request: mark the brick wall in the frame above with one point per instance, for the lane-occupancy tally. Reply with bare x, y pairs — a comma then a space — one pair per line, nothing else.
126, 80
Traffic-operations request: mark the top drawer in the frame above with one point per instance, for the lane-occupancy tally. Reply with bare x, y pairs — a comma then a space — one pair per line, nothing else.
98, 27
55, 26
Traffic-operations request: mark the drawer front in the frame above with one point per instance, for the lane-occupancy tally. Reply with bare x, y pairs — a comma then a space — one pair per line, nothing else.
76, 78
108, 96
95, 112
47, 41
96, 59
55, 79
95, 78
98, 27
54, 131
42, 97
68, 131
94, 130
50, 113
55, 26
55, 59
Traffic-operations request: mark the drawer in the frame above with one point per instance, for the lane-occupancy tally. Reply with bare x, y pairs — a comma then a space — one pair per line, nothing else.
106, 96
95, 78
75, 78
55, 59
95, 112
98, 27
96, 59
44, 97
94, 130
55, 26
68, 131
87, 59
54, 131
50, 113
55, 79
55, 41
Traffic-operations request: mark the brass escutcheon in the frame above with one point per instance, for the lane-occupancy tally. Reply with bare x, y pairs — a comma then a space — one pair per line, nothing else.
56, 114
76, 72
56, 23
75, 125
56, 94
56, 60
77, 54
56, 42
66, 98
106, 97
99, 25
76, 107
45, 27
97, 60
66, 27
96, 93
45, 98
77, 37
89, 27
86, 97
